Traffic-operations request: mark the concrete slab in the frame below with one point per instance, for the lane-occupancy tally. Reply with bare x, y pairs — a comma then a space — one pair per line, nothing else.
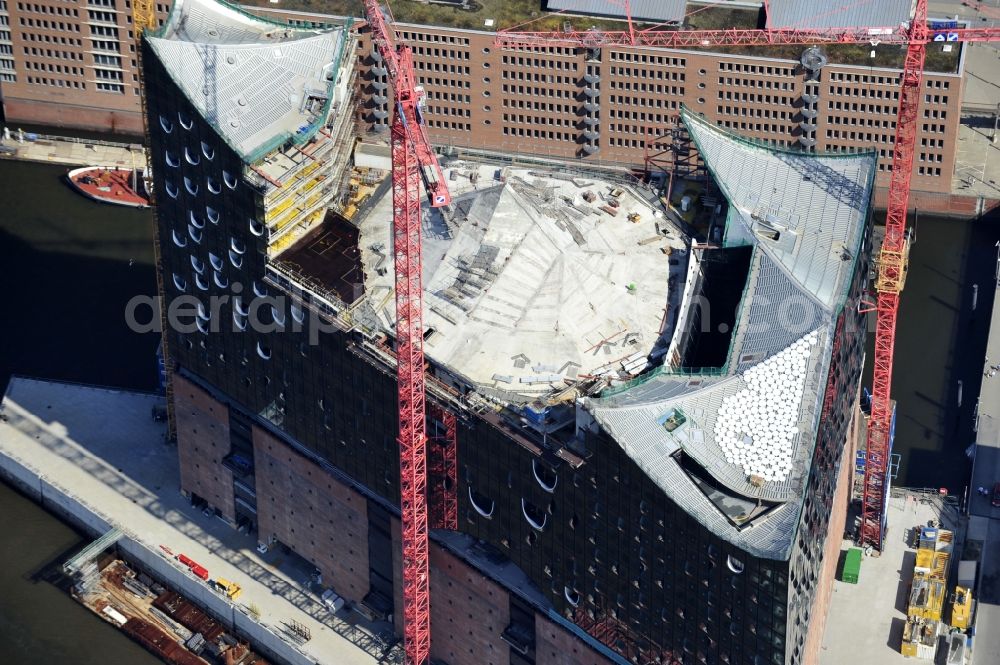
865, 623
102, 447
73, 152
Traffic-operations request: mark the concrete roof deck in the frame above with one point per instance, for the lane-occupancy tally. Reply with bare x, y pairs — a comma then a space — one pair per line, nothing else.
127, 473
527, 279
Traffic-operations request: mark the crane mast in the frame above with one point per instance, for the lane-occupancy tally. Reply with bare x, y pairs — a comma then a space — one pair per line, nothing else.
893, 256
412, 159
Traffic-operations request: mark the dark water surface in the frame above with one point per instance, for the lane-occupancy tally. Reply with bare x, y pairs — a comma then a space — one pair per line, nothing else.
69, 266
65, 278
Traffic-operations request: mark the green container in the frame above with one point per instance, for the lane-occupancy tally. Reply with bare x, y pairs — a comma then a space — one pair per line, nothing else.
852, 566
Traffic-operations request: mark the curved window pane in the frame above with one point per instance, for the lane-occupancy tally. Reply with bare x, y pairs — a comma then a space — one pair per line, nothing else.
230, 179
191, 186
235, 259
215, 261
545, 477
171, 188
213, 214
166, 125
171, 159
213, 185
200, 282
256, 227
186, 122
194, 233
197, 264
278, 316
239, 321
208, 151
238, 306
180, 241
191, 156
196, 222
237, 245
263, 351
481, 504
298, 314
536, 518
202, 326
221, 280
259, 290
180, 283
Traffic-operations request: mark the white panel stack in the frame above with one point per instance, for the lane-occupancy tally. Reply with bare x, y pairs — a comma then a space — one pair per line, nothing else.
756, 426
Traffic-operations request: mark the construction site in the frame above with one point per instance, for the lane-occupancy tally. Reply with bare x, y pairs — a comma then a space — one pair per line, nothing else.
506, 408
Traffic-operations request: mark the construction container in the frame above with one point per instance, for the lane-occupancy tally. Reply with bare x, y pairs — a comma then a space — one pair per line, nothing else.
920, 638
852, 566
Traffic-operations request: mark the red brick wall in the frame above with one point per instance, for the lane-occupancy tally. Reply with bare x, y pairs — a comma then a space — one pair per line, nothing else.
834, 538
202, 442
556, 646
307, 509
65, 114
468, 613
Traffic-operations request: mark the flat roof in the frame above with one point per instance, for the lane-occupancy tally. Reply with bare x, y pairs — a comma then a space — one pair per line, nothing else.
101, 447
854, 14
652, 10
529, 285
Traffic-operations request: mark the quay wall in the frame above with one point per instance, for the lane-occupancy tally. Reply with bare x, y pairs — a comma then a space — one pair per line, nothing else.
264, 638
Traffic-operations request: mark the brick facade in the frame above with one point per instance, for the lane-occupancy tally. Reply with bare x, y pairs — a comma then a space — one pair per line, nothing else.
555, 646
202, 443
320, 518
834, 538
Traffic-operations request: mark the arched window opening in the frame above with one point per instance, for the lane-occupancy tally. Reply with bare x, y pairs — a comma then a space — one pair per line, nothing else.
263, 351
546, 477
166, 125
481, 504
536, 518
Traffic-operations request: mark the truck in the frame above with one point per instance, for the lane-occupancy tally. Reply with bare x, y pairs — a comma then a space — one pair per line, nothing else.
232, 590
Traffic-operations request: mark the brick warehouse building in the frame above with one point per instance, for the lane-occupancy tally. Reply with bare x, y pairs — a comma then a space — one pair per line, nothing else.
611, 510
70, 63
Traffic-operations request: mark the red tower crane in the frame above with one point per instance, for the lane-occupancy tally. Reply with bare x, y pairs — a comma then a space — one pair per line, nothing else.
892, 258
413, 159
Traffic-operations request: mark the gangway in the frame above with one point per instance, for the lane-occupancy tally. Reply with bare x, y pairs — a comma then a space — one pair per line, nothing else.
92, 551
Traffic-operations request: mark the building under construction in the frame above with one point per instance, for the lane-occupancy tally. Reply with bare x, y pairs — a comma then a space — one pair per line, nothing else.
636, 440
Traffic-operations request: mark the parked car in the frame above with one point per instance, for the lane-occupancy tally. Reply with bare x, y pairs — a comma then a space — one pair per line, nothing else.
331, 600
996, 496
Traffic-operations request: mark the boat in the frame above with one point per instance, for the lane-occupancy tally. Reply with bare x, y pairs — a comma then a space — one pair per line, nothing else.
109, 184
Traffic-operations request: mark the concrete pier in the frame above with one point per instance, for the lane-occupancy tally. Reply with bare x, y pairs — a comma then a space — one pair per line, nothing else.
70, 151
984, 517
97, 458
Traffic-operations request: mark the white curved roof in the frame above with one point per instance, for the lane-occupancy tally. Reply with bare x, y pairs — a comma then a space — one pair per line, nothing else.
253, 80
752, 428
